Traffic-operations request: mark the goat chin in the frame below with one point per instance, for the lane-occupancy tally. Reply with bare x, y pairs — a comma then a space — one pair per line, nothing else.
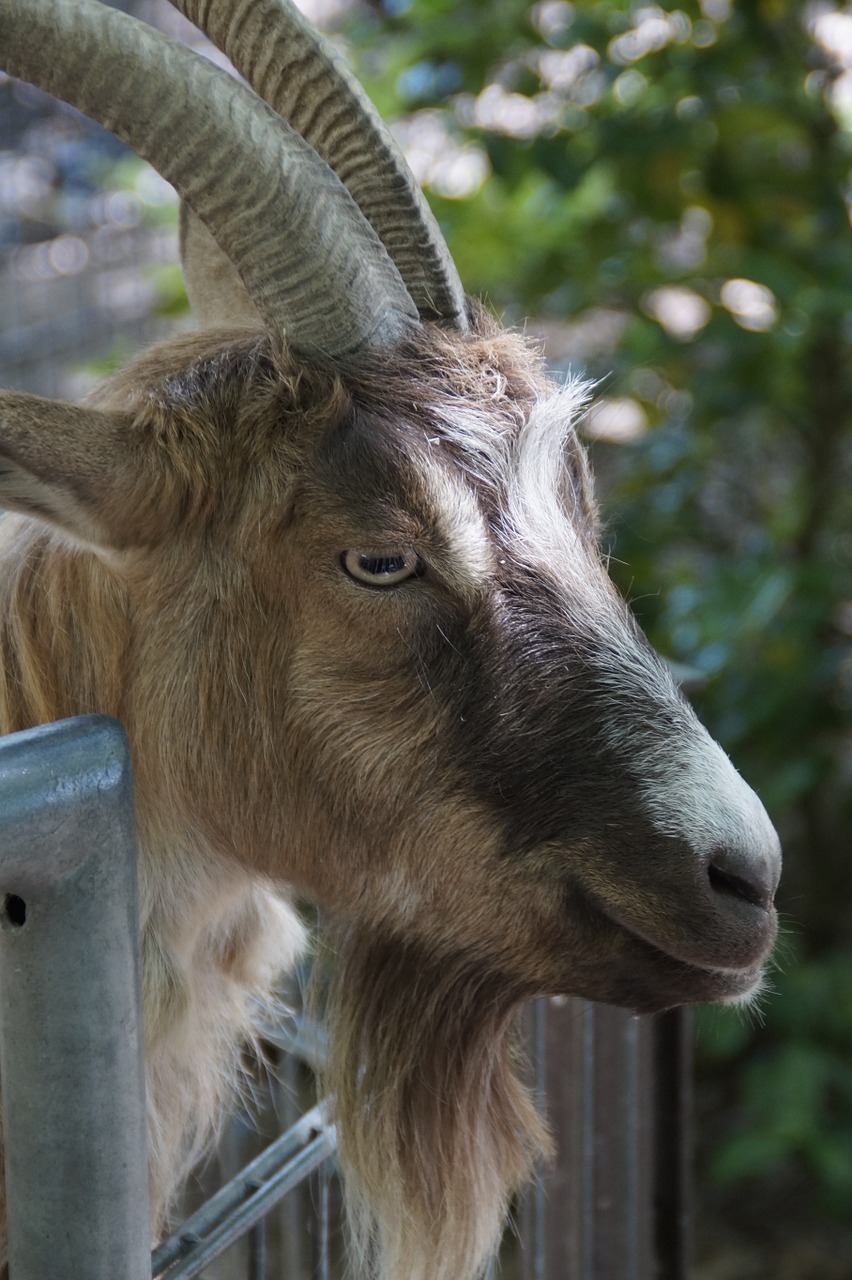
437, 1129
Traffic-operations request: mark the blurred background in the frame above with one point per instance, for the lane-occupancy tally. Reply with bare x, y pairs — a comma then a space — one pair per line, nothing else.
663, 195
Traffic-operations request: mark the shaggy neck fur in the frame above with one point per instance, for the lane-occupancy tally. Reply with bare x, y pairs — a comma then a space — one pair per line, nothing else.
437, 1131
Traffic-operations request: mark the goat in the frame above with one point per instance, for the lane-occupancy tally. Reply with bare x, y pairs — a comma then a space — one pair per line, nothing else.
333, 561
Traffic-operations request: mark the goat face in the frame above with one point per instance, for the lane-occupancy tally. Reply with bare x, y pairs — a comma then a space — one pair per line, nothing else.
500, 749
434, 712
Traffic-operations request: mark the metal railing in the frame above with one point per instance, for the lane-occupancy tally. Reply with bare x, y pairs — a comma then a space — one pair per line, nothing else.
242, 1204
615, 1206
70, 1022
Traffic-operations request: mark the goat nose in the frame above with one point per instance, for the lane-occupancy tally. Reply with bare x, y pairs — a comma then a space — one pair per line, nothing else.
748, 874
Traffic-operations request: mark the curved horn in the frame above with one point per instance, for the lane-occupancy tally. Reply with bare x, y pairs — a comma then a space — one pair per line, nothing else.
311, 262
302, 77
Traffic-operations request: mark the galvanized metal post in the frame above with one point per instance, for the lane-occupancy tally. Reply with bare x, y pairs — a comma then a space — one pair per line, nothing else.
70, 1021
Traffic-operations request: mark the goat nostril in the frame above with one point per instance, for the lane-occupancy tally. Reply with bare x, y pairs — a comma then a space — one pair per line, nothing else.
751, 887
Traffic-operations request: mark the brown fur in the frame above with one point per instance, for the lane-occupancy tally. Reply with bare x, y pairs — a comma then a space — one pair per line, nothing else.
437, 1130
447, 769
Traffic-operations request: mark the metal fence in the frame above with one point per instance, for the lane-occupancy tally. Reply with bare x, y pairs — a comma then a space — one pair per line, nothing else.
70, 1019
614, 1207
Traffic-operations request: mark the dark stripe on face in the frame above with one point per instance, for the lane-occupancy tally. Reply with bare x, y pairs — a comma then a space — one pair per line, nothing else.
532, 695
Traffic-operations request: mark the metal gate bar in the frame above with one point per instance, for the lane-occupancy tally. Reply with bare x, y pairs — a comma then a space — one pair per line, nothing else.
244, 1201
70, 1024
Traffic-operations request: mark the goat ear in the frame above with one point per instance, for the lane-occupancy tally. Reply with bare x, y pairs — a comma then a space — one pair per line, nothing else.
216, 293
63, 463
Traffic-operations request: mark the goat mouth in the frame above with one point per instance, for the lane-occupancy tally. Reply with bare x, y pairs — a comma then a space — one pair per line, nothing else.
663, 980
647, 979
695, 984
648, 973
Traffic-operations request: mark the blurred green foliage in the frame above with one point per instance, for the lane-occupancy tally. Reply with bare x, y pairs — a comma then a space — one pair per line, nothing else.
671, 205
791, 1108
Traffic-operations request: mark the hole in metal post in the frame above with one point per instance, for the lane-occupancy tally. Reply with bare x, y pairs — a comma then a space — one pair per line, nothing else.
14, 911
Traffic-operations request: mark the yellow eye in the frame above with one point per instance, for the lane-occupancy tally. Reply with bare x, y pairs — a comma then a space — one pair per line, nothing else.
388, 569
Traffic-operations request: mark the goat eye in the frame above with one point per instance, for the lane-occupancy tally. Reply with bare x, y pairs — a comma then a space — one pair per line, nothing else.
381, 570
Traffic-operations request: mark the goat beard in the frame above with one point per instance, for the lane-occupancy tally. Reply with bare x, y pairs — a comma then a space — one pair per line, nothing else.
436, 1130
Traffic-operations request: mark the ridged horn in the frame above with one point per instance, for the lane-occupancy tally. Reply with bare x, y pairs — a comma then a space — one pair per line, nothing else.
312, 264
302, 77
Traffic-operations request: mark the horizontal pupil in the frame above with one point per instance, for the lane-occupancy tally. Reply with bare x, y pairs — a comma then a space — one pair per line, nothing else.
382, 565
